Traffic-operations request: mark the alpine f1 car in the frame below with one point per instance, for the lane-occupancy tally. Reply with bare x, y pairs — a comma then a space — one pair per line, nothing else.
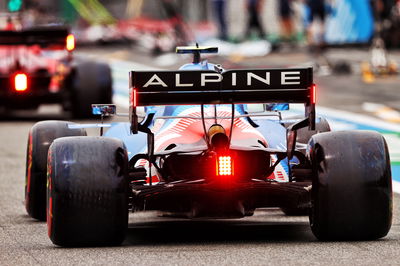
202, 152
37, 67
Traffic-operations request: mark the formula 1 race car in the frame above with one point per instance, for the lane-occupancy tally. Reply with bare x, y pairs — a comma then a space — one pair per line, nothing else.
35, 70
202, 152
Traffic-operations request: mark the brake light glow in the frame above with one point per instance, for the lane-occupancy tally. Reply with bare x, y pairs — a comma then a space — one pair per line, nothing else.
224, 165
313, 94
134, 97
21, 82
70, 42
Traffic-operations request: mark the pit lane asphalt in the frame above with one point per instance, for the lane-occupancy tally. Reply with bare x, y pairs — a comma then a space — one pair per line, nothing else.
266, 238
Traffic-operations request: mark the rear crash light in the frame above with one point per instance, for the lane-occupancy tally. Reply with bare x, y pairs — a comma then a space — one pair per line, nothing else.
224, 166
134, 97
70, 42
20, 82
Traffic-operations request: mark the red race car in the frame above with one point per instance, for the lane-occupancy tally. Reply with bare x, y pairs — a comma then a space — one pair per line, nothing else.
37, 67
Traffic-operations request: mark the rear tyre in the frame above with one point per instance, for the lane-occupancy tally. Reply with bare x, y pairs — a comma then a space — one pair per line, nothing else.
41, 135
88, 191
352, 187
91, 83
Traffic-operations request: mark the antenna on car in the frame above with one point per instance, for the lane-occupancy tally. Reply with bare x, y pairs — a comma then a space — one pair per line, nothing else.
196, 55
196, 51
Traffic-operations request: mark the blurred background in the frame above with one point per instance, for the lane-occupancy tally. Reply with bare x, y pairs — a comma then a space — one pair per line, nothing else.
180, 21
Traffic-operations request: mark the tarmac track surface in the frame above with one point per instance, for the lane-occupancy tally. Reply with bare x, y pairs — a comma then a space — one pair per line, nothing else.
268, 237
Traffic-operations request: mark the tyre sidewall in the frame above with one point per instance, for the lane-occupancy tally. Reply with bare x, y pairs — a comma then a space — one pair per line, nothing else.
41, 135
87, 199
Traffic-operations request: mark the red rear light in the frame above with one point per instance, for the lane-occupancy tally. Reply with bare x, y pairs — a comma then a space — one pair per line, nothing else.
134, 97
313, 94
21, 82
224, 166
70, 42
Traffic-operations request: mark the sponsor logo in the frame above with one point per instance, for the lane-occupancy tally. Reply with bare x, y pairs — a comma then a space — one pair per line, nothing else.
285, 78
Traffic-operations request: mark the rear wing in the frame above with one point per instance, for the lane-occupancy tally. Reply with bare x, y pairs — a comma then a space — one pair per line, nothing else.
53, 38
292, 85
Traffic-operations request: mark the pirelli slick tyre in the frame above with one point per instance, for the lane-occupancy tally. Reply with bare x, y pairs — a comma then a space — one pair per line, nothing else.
41, 135
87, 197
91, 83
351, 194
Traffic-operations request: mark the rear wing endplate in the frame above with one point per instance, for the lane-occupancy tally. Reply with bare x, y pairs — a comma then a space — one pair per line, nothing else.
292, 85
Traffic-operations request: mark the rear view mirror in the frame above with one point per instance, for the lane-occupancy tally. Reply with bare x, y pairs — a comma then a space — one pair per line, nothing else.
104, 109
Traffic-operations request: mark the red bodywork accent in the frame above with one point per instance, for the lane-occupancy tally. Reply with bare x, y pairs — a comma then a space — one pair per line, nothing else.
31, 59
189, 131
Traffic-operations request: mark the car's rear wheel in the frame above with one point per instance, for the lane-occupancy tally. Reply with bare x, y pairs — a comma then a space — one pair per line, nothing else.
41, 135
351, 190
91, 83
87, 201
